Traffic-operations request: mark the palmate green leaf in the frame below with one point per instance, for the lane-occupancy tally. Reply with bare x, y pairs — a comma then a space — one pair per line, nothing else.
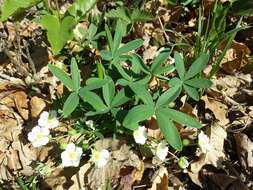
168, 129
137, 114
62, 76
142, 93
58, 31
13, 7
179, 63
192, 92
181, 118
75, 74
199, 83
159, 60
70, 104
129, 47
197, 66
93, 99
169, 96
108, 91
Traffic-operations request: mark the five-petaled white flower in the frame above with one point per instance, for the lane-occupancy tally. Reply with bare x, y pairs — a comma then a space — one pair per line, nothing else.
71, 156
100, 158
204, 143
48, 119
140, 135
39, 136
162, 150
183, 162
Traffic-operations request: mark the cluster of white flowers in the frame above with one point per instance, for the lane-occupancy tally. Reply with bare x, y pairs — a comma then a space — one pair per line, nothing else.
39, 135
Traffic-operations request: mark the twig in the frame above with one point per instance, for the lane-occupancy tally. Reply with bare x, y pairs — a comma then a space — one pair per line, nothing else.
166, 36
29, 58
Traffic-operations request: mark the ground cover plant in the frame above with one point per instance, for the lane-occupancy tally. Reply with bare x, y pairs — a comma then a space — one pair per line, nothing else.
112, 94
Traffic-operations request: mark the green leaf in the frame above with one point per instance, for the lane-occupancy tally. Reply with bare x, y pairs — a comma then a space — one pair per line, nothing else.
142, 93
120, 98
140, 15
137, 114
198, 65
164, 69
129, 47
95, 83
182, 118
168, 129
93, 99
108, 91
120, 13
179, 63
199, 83
75, 74
137, 60
109, 37
117, 37
58, 31
81, 7
169, 96
160, 59
192, 92
62, 76
13, 7
70, 104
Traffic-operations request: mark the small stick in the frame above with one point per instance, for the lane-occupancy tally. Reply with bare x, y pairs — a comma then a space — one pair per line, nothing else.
29, 58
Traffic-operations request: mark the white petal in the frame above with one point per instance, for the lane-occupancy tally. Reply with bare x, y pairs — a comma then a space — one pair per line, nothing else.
70, 147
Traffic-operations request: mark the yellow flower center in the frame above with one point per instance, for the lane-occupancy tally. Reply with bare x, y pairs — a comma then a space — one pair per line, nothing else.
73, 155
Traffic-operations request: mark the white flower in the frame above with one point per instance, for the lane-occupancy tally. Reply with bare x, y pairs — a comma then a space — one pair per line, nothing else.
140, 135
39, 136
162, 150
183, 162
90, 124
71, 156
48, 119
204, 143
100, 158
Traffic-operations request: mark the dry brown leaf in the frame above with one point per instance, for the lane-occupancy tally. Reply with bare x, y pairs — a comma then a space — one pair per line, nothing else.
219, 110
37, 105
244, 150
235, 58
19, 100
214, 157
160, 179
